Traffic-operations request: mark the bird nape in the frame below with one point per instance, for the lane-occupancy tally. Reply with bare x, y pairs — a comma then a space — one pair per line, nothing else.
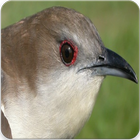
53, 64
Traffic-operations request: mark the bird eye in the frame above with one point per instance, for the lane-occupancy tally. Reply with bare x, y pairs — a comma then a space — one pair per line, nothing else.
68, 52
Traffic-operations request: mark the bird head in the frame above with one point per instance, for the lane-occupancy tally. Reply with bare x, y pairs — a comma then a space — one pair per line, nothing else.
59, 62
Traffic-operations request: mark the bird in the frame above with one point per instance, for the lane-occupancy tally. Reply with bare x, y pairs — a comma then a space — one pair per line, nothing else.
53, 65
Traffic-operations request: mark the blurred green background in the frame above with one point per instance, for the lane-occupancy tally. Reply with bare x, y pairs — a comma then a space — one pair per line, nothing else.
116, 112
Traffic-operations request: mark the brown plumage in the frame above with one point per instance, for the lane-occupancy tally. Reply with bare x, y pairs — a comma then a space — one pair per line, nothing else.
42, 97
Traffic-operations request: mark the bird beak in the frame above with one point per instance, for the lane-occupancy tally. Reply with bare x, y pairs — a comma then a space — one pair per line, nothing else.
110, 63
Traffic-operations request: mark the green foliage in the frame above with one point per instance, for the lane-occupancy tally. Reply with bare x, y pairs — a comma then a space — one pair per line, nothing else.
116, 112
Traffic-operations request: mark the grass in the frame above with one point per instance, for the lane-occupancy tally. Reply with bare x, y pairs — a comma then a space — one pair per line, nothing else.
116, 112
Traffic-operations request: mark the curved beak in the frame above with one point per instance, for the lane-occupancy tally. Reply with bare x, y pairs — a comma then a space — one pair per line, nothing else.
110, 63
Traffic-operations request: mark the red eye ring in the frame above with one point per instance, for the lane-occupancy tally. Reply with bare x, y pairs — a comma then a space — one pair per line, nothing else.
68, 52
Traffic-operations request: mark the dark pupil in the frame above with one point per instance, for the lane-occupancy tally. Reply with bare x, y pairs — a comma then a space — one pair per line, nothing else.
67, 53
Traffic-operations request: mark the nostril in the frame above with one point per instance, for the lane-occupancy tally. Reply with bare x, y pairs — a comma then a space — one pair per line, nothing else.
101, 58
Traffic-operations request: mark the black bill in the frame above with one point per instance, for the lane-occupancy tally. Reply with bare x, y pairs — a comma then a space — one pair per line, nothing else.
110, 63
